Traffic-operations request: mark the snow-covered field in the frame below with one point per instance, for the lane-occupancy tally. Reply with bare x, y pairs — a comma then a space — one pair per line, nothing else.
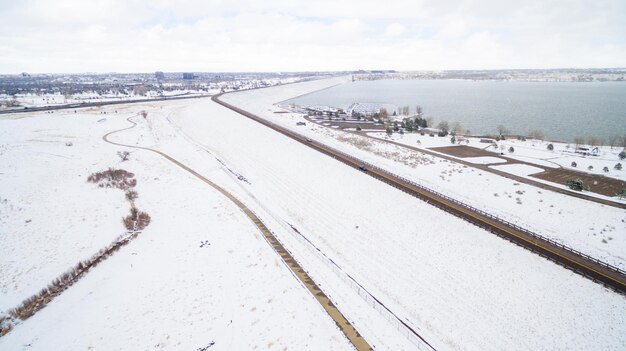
532, 151
450, 279
200, 273
592, 228
457, 285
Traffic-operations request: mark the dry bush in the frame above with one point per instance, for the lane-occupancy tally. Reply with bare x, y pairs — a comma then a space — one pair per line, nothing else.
136, 220
124, 155
113, 178
5, 325
131, 195
38, 301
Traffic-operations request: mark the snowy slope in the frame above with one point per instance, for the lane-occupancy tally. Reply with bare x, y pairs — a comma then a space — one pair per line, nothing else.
467, 288
594, 229
200, 273
50, 217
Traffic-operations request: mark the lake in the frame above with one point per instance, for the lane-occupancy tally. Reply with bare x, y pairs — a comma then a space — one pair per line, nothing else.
561, 110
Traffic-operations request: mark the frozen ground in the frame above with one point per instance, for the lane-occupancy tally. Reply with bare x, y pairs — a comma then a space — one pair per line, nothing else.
532, 151
592, 228
201, 273
460, 287
463, 287
50, 217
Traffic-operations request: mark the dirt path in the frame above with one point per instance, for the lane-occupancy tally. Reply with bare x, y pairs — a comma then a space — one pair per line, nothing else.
344, 325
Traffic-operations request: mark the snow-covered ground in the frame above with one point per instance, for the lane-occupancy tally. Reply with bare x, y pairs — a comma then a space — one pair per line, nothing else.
200, 273
531, 151
33, 100
50, 217
592, 228
463, 287
457, 285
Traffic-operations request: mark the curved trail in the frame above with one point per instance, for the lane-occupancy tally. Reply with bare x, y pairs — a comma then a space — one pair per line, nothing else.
344, 325
585, 265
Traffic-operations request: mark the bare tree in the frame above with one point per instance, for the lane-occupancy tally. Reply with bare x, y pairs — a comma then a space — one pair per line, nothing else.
579, 141
124, 155
613, 140
418, 111
536, 134
383, 115
456, 128
502, 130
592, 141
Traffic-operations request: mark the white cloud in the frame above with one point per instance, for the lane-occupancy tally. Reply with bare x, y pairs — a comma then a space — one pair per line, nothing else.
219, 35
394, 30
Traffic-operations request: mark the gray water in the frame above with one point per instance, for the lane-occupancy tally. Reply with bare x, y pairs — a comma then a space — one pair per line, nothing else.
561, 110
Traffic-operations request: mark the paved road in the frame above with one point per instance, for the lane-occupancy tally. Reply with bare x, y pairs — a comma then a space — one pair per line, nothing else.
587, 266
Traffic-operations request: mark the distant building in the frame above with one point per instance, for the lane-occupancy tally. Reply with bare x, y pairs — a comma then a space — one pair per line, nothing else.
159, 75
189, 76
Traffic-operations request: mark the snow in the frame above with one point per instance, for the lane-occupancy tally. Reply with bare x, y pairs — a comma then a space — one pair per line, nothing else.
200, 273
484, 160
460, 278
50, 217
595, 229
518, 169
459, 286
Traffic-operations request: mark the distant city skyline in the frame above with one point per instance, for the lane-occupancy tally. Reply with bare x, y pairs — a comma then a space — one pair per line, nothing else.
217, 36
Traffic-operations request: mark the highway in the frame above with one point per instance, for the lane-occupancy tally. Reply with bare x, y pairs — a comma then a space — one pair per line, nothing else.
600, 272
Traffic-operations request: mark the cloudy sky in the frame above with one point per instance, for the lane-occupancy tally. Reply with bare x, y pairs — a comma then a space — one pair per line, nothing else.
281, 35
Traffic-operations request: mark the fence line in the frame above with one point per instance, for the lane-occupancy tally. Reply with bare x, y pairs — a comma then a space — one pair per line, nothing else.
472, 208
403, 327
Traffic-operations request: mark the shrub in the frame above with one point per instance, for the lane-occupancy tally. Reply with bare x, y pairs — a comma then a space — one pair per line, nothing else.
453, 139
574, 164
131, 195
113, 178
136, 220
621, 193
358, 128
143, 114
550, 147
511, 149
622, 155
576, 184
124, 155
590, 167
618, 166
606, 169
